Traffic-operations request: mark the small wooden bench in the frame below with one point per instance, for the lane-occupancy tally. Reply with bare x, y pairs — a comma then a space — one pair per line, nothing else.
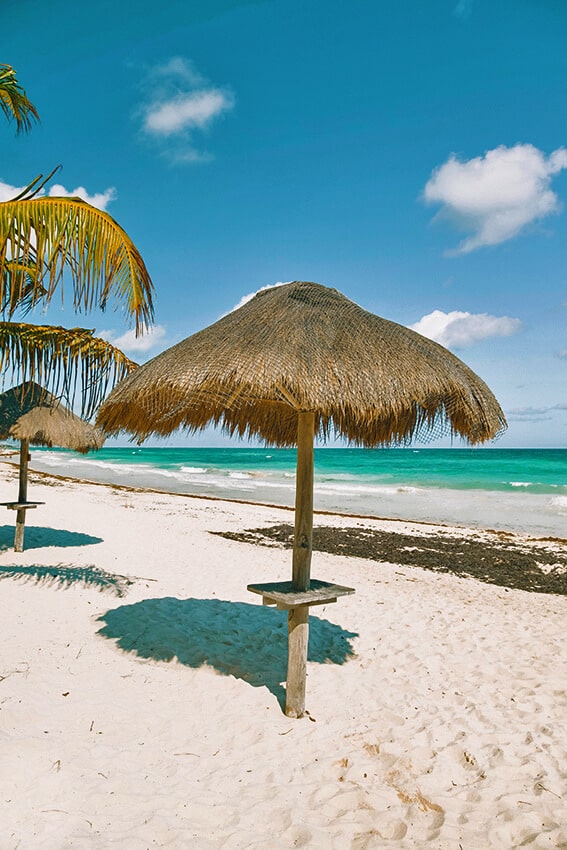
284, 596
21, 507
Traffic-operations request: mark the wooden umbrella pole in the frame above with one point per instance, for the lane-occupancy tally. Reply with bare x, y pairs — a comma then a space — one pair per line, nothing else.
22, 496
298, 618
302, 542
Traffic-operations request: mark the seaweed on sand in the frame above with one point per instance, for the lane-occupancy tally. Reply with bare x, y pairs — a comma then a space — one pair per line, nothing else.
494, 558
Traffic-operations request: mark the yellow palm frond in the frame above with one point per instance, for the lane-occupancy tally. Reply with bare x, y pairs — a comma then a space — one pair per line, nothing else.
14, 102
42, 240
72, 363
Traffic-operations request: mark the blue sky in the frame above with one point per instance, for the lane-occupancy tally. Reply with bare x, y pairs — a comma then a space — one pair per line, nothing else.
413, 155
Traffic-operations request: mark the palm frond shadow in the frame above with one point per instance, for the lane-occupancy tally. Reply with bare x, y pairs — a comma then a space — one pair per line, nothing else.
36, 537
237, 639
64, 576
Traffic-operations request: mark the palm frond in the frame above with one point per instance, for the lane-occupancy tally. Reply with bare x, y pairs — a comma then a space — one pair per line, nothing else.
26, 296
14, 102
72, 363
44, 239
35, 187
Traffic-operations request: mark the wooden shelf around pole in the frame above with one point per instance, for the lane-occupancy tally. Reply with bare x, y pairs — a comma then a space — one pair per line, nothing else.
283, 594
20, 506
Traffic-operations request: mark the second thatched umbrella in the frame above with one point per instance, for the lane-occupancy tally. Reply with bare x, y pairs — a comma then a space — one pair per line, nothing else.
298, 361
32, 415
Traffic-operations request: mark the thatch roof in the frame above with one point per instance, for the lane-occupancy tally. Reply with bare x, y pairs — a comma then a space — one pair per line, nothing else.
302, 346
30, 412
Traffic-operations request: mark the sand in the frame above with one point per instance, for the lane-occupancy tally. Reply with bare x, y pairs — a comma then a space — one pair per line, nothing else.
141, 689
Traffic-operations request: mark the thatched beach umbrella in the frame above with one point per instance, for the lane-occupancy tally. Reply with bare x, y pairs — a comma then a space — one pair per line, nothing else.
295, 362
32, 415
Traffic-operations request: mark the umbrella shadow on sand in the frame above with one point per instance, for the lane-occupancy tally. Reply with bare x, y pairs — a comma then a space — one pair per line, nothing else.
237, 639
37, 537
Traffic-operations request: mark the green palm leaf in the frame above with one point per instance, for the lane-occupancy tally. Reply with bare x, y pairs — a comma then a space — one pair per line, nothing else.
70, 363
13, 100
44, 239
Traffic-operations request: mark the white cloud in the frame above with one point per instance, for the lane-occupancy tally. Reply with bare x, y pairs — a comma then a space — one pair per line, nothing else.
8, 192
180, 68
99, 199
186, 111
528, 414
496, 196
129, 343
533, 414
459, 329
245, 298
463, 9
182, 104
563, 354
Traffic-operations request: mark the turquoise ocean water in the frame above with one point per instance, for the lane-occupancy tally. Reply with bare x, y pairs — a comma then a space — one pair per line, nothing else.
515, 489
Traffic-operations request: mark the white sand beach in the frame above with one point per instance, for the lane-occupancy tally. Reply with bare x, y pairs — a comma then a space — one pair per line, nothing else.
437, 703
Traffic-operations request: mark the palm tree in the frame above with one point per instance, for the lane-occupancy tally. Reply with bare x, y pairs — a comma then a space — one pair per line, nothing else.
45, 239
44, 243
14, 101
72, 361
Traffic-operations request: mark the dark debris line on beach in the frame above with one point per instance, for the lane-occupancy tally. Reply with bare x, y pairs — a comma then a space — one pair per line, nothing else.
527, 566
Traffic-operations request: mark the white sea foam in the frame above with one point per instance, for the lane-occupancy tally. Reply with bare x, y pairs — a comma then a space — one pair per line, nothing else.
520, 483
84, 463
404, 488
519, 509
355, 488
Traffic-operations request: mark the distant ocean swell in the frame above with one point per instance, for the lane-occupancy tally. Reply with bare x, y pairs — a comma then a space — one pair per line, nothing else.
522, 490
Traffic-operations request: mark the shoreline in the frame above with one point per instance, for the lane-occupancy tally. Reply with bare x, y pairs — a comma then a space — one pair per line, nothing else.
204, 497
545, 531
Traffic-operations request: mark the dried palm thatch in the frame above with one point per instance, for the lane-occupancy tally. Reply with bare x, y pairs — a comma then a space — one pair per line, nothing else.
296, 361
31, 413
57, 426
304, 347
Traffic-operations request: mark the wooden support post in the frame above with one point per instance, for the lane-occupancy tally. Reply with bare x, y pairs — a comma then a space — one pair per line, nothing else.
22, 496
19, 535
298, 618
298, 638
302, 542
